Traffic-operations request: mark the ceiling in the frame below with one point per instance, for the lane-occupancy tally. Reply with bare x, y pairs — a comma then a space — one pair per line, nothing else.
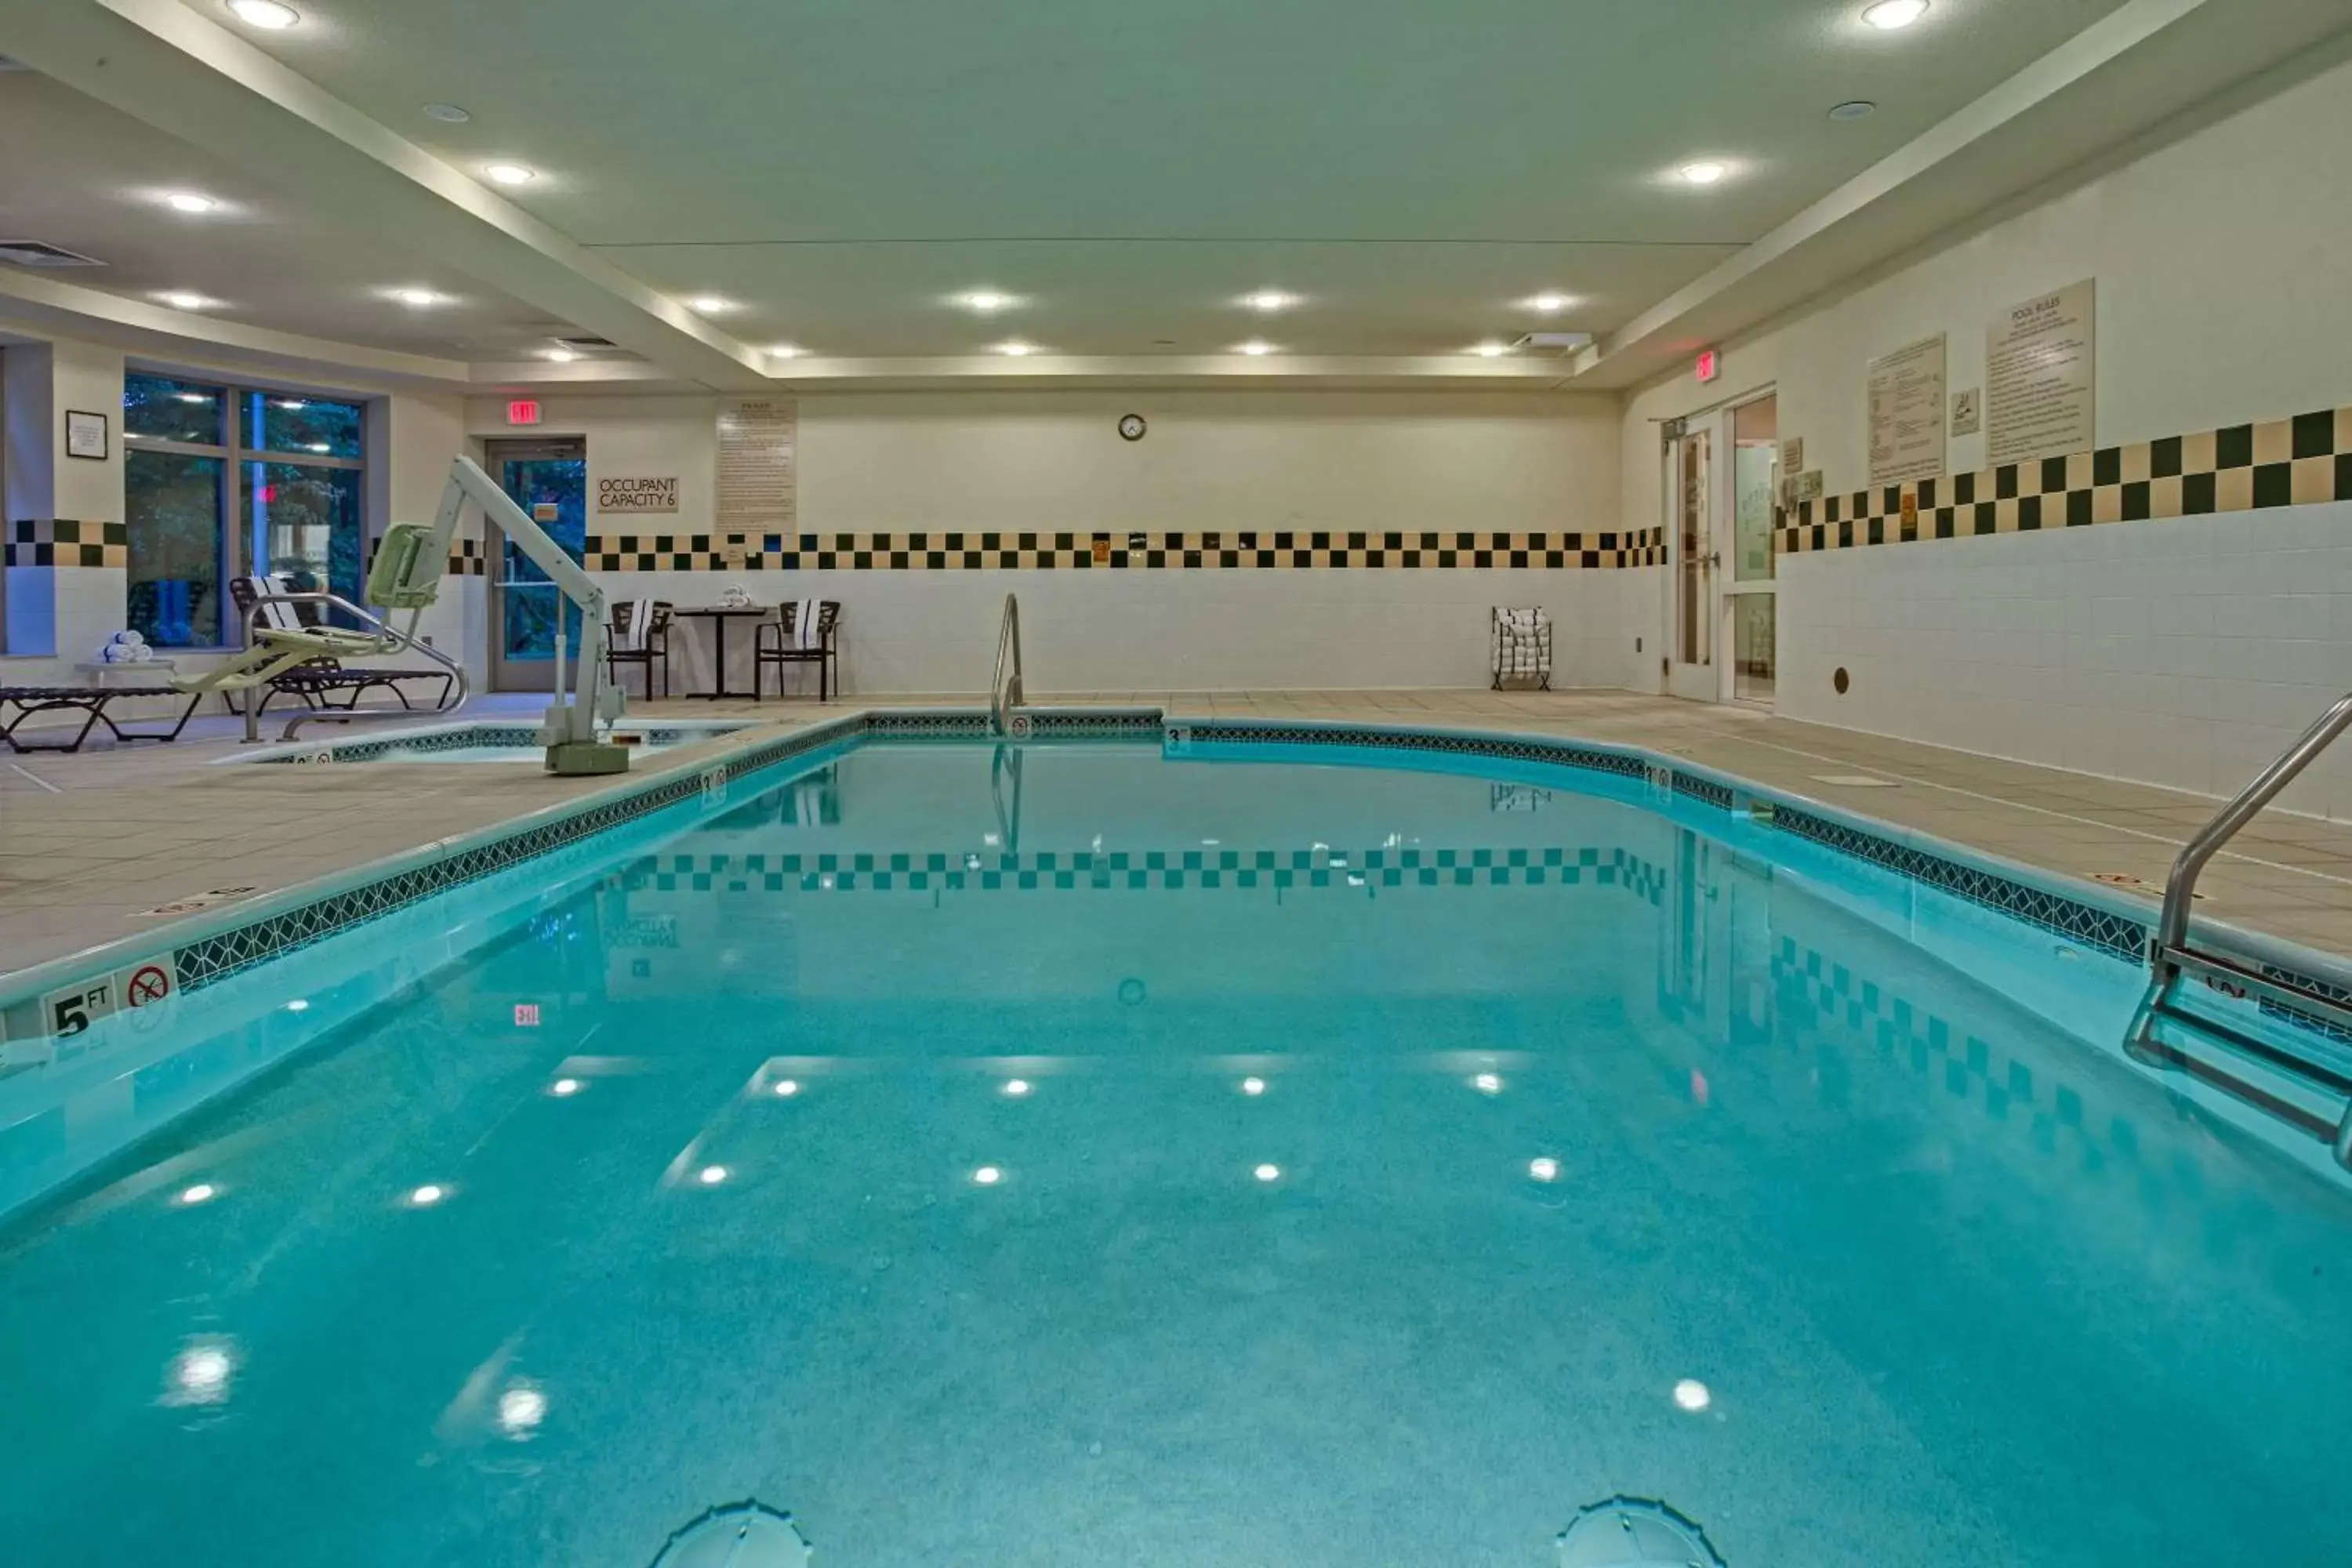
839, 171
92, 180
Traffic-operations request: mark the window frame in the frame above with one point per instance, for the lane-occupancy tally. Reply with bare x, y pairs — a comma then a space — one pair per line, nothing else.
238, 554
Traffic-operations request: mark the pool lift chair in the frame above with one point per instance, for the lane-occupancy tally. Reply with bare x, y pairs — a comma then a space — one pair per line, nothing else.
406, 576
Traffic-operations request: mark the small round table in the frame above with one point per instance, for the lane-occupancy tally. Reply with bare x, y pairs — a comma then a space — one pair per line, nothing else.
719, 616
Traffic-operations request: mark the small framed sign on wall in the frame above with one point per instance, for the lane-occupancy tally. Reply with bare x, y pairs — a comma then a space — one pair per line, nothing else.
86, 435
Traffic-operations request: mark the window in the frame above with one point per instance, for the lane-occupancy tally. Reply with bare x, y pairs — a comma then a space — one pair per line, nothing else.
221, 482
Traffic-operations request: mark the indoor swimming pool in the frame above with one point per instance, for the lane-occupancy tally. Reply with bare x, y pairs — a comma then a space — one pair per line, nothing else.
482, 740
1157, 1151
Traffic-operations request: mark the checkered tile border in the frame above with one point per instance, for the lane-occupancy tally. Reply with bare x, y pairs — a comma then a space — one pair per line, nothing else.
1308, 550
2241, 468
1156, 870
1044, 724
1567, 753
466, 557
215, 958
62, 542
2086, 923
1969, 1067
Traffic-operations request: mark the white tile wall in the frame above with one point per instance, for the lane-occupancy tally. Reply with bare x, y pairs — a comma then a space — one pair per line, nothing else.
2188, 652
1175, 630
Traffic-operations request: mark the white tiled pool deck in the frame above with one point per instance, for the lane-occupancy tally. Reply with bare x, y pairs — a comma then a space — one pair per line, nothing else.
89, 843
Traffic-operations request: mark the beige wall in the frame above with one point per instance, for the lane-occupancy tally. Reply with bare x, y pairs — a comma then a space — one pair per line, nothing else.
2221, 298
1053, 462
2183, 652
1047, 460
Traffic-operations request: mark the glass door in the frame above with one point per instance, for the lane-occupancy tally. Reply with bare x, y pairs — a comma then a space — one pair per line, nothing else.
1750, 604
548, 479
1690, 525
1723, 624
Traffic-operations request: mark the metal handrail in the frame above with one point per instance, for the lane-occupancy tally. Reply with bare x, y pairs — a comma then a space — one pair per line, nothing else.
451, 701
2171, 958
1004, 693
2181, 886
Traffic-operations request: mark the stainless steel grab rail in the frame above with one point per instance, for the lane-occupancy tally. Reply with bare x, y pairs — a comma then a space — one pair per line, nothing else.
2171, 956
1004, 693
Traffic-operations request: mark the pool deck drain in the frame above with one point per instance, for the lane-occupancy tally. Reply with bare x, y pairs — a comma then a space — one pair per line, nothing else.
96, 841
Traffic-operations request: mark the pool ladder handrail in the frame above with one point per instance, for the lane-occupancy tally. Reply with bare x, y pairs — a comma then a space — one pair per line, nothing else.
1004, 692
2173, 956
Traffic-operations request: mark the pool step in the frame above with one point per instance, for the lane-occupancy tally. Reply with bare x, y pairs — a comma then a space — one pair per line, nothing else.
2296, 1083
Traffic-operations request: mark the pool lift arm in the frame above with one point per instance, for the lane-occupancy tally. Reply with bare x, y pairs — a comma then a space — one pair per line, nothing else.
572, 728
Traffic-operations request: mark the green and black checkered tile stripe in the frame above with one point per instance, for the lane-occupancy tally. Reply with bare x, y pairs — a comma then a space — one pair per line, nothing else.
1248, 549
2303, 461
1154, 870
466, 557
1965, 1066
62, 542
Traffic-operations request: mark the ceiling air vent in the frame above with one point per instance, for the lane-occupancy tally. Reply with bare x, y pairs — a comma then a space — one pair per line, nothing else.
33, 253
1553, 342
585, 343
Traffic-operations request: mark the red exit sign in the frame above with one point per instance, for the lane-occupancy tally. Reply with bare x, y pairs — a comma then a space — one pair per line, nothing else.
523, 411
1710, 365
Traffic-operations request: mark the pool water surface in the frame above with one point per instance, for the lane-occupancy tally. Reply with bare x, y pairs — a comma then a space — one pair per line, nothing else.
1078, 1155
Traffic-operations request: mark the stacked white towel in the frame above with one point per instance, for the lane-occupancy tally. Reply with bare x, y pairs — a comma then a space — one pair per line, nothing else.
126, 647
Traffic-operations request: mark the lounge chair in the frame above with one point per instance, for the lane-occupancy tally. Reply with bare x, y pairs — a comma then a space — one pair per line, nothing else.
316, 681
405, 577
91, 701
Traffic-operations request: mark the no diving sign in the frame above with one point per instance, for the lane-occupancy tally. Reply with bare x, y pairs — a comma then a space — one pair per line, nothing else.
141, 988
147, 984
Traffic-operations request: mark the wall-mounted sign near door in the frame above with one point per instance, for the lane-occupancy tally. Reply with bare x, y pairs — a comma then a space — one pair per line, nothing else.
1131, 426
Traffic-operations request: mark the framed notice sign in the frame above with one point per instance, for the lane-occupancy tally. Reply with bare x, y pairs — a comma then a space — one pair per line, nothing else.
1906, 414
2042, 362
86, 435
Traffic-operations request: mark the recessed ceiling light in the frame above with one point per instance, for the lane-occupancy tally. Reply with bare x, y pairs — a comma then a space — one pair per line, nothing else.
190, 202
1706, 172
987, 301
510, 174
1890, 14
784, 350
1016, 348
195, 398
1548, 304
1269, 301
446, 114
267, 14
416, 299
179, 299
1490, 349
561, 356
1859, 108
1257, 348
710, 304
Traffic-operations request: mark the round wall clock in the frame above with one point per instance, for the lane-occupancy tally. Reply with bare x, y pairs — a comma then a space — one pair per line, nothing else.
1131, 426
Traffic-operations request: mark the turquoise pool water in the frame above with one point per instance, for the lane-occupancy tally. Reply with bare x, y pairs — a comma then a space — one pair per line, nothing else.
1078, 1155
